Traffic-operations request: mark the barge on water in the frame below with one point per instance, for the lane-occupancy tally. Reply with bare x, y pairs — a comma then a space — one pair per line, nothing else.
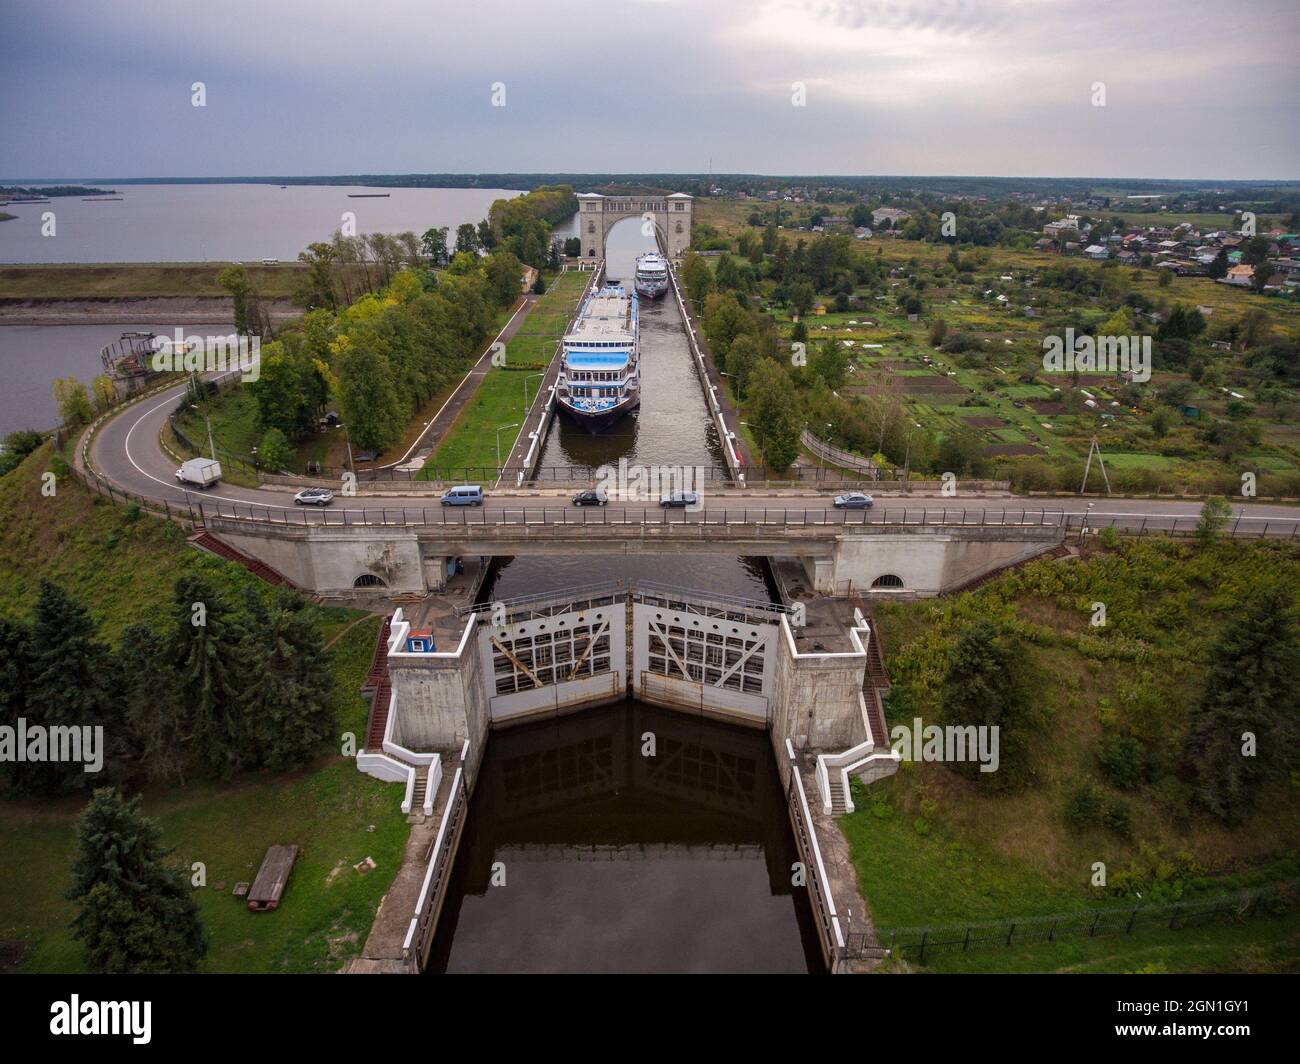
599, 379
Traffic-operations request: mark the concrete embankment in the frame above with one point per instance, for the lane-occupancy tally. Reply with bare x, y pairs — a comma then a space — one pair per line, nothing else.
165, 310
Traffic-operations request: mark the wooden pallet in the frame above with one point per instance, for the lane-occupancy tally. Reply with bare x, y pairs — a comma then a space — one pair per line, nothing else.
272, 877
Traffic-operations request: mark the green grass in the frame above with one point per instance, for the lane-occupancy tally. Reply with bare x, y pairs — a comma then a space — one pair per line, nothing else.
499, 399
124, 570
135, 280
932, 849
334, 813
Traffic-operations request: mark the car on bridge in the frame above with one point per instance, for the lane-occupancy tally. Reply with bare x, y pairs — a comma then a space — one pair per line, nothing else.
314, 497
463, 495
854, 500
591, 497
681, 499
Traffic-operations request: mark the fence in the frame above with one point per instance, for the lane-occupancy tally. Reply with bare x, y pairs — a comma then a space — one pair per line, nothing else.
916, 943
828, 452
867, 521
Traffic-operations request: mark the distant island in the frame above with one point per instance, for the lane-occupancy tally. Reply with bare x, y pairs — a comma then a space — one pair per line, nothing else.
12, 192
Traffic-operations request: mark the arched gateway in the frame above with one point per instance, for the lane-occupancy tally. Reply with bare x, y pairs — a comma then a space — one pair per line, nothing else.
598, 214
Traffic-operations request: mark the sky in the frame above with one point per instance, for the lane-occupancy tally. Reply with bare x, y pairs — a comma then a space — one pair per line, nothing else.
1043, 88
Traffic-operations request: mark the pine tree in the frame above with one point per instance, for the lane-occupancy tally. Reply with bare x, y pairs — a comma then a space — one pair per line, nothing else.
984, 686
69, 684
146, 683
136, 914
1251, 689
290, 707
205, 650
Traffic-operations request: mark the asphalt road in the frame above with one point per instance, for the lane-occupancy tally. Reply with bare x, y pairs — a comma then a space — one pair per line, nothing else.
126, 451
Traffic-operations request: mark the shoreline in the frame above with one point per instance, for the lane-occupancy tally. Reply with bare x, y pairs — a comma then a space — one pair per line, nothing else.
131, 310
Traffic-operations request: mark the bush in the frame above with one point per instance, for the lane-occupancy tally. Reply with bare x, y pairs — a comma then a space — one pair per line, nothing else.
1123, 759
1119, 818
1084, 807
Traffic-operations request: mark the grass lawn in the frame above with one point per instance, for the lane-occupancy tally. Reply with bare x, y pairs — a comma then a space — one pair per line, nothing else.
124, 570
499, 400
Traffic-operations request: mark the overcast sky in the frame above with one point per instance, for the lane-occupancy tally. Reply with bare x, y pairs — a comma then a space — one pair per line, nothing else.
1193, 88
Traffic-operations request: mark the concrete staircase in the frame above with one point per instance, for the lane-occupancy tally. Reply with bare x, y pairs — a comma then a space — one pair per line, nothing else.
839, 800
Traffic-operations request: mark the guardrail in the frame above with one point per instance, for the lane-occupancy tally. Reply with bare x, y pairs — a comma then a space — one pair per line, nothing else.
828, 452
868, 521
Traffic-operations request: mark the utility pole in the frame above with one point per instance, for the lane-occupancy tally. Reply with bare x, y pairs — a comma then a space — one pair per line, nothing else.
1094, 448
212, 447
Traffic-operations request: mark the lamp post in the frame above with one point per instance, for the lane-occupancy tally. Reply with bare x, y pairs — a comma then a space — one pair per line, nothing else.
499, 431
348, 437
526, 380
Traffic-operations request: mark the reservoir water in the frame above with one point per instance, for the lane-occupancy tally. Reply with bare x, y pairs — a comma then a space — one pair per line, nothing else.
225, 223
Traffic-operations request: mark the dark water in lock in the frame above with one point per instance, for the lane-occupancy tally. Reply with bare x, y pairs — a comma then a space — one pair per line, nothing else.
608, 860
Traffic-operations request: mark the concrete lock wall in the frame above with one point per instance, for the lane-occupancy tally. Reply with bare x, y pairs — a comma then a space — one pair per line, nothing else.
927, 563
816, 699
330, 561
441, 698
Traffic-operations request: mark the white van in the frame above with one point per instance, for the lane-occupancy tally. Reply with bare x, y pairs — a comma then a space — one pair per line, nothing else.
463, 495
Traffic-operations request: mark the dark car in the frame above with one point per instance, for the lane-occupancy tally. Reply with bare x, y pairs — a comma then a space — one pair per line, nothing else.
682, 499
591, 497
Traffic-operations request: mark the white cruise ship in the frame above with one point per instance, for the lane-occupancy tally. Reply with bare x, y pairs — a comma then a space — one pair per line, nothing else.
599, 380
651, 275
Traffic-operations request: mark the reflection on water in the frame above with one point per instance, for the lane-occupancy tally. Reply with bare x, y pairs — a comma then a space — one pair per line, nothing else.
618, 862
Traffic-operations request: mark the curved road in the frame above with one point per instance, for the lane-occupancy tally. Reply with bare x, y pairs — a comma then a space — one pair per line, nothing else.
126, 452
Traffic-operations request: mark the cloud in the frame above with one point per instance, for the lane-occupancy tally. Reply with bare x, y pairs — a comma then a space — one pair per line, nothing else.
951, 86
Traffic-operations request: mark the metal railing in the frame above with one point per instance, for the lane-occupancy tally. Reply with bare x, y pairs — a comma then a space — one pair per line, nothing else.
756, 518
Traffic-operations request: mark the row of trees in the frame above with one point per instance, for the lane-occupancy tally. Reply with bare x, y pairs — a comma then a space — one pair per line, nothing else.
212, 689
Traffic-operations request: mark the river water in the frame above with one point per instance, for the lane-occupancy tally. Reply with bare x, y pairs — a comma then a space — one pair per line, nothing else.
226, 223
582, 854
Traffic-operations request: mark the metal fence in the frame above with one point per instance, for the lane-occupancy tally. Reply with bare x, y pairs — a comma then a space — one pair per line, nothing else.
879, 521
917, 943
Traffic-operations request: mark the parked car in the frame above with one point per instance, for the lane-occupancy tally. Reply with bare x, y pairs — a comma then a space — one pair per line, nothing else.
591, 497
854, 500
314, 497
463, 495
681, 499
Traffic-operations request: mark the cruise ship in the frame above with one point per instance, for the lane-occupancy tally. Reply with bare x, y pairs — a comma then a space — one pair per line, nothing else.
651, 275
599, 379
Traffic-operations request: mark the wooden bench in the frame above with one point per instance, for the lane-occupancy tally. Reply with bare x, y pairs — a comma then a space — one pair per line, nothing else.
271, 878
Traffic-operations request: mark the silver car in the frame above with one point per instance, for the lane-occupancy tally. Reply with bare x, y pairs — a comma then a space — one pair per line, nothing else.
854, 500
314, 497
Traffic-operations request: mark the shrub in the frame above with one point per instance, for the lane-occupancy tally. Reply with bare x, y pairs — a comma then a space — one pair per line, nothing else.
1084, 807
1119, 818
1123, 760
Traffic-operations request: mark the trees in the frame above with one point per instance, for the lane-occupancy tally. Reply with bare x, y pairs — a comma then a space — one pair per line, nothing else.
961, 452
984, 686
697, 278
504, 271
274, 452
367, 395
74, 405
1243, 730
467, 242
830, 362
433, 246
203, 646
68, 681
1215, 513
289, 710
774, 414
135, 914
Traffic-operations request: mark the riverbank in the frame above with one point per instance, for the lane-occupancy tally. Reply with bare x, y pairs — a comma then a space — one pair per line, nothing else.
126, 310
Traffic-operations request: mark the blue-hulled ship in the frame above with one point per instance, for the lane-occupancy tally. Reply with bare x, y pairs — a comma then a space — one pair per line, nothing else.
600, 376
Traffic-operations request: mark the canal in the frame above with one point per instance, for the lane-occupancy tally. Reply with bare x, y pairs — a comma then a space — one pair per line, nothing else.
587, 849
581, 852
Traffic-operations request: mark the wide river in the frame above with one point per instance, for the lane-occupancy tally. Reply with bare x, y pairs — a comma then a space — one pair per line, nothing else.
226, 223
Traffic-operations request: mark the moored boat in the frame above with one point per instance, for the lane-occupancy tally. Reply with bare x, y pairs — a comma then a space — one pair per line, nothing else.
599, 379
651, 278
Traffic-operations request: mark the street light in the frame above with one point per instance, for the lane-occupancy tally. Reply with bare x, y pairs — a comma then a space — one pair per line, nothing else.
526, 380
348, 436
499, 431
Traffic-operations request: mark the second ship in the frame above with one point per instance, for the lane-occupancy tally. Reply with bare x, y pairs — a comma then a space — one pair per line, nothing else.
599, 379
